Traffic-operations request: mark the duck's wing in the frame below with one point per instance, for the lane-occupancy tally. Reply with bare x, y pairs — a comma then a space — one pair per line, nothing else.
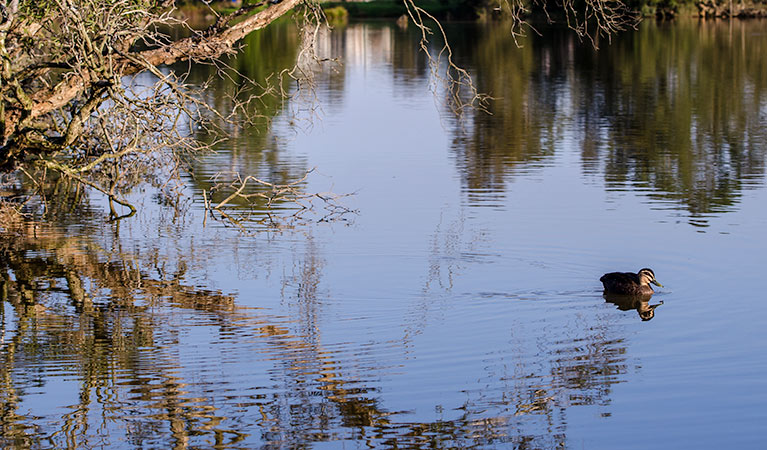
619, 278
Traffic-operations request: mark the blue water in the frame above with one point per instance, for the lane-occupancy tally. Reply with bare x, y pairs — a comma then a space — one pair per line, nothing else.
459, 306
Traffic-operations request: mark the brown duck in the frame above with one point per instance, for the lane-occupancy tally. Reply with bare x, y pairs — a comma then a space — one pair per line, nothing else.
626, 283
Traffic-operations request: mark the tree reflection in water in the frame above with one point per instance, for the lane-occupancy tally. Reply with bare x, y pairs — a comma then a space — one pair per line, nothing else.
674, 111
116, 322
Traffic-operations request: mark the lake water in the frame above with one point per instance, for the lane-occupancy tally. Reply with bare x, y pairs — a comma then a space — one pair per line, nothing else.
460, 304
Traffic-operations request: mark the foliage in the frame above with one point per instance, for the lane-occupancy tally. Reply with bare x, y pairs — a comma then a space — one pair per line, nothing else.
389, 8
336, 14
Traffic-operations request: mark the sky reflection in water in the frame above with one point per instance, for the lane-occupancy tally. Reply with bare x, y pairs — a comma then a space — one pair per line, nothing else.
461, 307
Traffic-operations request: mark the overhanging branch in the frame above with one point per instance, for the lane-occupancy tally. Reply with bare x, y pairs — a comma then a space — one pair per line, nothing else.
193, 48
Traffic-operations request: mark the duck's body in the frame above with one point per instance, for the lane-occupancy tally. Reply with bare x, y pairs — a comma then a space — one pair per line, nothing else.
627, 283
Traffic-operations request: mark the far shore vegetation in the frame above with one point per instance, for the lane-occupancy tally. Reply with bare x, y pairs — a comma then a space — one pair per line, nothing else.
341, 10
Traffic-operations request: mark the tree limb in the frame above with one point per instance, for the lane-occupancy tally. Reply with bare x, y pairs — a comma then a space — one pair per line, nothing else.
193, 48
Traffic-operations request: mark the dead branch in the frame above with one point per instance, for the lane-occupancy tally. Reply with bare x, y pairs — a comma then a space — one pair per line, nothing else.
462, 93
592, 20
76, 102
255, 199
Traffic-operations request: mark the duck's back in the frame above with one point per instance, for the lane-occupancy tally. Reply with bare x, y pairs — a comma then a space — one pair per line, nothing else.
624, 283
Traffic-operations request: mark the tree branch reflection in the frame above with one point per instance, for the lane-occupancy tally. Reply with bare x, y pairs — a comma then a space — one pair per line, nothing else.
117, 322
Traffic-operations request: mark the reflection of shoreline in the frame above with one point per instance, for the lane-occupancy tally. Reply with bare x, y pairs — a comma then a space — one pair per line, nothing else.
367, 44
681, 131
640, 303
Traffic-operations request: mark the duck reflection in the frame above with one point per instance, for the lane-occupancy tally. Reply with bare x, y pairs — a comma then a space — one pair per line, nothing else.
641, 303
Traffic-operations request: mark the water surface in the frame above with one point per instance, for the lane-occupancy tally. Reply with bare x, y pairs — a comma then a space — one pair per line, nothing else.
460, 306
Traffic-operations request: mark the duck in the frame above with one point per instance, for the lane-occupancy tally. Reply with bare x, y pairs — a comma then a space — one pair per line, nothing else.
627, 283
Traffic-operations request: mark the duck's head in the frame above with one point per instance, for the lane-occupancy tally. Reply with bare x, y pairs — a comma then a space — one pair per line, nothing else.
647, 311
647, 276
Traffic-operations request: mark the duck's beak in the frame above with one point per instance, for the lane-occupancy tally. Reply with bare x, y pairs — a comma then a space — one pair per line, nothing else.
655, 282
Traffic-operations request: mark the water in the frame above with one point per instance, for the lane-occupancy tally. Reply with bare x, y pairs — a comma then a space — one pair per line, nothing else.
460, 306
